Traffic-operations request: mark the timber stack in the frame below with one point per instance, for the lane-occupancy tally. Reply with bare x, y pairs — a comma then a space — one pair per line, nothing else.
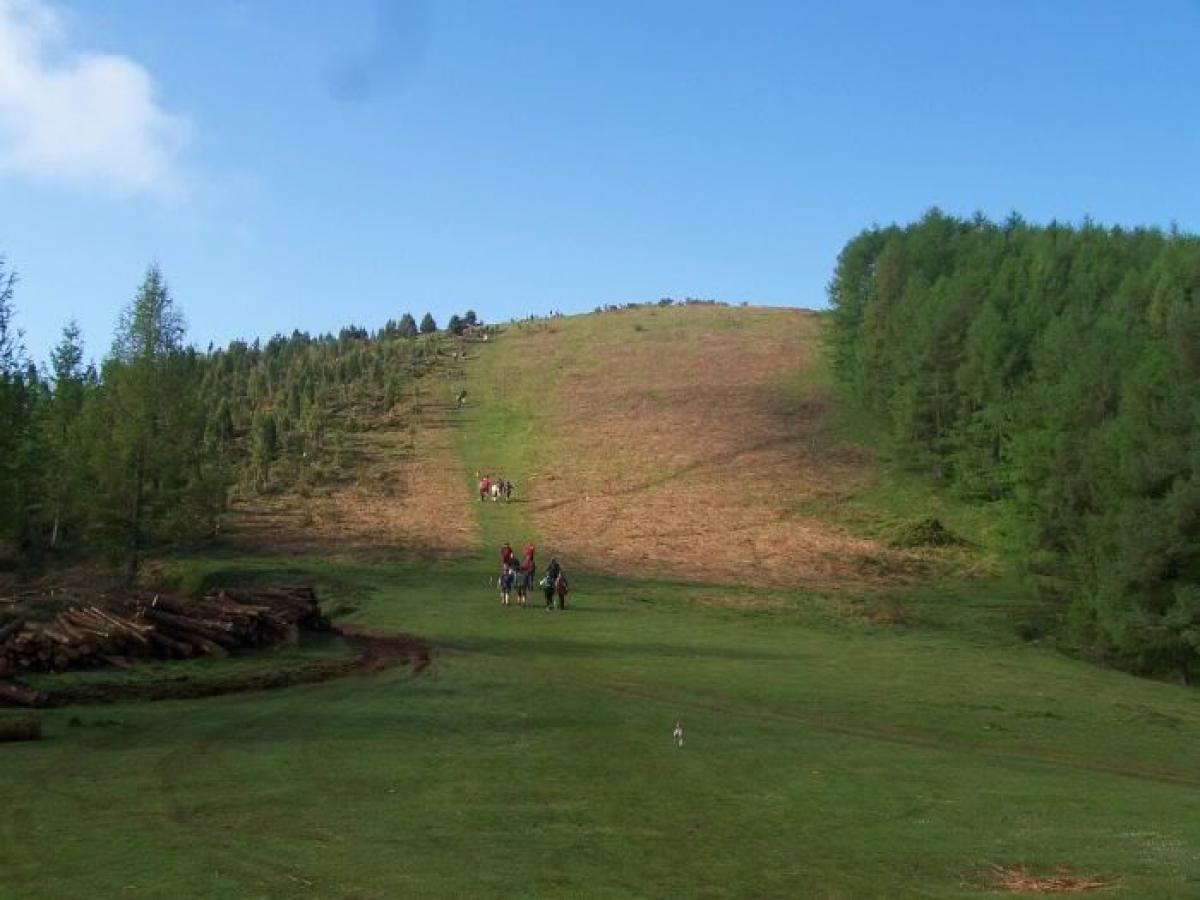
162, 626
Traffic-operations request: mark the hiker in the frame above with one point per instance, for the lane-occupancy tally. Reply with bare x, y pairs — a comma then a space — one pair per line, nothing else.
506, 555
553, 571
528, 568
507, 578
561, 588
462, 395
496, 491
485, 487
508, 489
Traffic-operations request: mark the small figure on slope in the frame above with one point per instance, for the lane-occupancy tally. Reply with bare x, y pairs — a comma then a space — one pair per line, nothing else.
553, 571
507, 578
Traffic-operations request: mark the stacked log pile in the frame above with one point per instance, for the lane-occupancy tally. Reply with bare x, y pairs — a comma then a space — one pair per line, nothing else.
160, 627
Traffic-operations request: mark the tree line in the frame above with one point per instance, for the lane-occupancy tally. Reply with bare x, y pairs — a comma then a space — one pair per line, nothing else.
146, 450
1053, 371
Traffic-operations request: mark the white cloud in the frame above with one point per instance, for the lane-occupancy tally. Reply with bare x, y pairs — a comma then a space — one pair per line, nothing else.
82, 118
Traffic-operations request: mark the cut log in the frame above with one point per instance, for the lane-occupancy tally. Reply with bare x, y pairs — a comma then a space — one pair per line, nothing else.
123, 626
10, 629
171, 646
21, 696
186, 626
64, 625
80, 619
208, 648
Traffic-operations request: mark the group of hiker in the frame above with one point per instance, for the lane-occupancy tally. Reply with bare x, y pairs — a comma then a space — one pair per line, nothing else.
495, 488
520, 576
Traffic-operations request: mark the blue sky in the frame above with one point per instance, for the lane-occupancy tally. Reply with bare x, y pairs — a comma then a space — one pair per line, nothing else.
308, 165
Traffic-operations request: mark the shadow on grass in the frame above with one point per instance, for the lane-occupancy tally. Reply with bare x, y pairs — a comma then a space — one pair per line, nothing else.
559, 646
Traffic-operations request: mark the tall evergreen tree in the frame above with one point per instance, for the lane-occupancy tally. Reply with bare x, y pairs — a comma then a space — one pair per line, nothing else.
428, 325
61, 435
408, 326
149, 452
1056, 369
14, 417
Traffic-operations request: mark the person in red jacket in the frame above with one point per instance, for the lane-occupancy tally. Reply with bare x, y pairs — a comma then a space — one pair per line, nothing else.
485, 488
506, 555
528, 568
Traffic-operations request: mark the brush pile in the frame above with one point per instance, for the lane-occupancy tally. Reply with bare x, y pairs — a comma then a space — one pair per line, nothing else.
163, 626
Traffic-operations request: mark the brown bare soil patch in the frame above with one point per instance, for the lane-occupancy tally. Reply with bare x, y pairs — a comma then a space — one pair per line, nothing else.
687, 446
404, 494
1020, 879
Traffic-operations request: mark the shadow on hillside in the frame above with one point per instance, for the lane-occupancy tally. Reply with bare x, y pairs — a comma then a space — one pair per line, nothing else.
692, 469
446, 420
293, 541
799, 430
553, 646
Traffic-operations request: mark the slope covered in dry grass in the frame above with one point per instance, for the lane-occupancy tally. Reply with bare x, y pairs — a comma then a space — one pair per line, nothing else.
687, 442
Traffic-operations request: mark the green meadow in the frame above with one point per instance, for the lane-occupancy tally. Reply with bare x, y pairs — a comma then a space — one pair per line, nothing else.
826, 754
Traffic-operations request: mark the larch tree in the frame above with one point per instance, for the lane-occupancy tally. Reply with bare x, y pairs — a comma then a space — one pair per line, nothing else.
151, 459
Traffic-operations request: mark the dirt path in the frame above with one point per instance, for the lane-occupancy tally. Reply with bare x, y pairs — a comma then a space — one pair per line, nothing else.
377, 651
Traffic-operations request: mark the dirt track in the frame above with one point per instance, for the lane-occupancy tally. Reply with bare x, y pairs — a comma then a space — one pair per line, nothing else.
377, 651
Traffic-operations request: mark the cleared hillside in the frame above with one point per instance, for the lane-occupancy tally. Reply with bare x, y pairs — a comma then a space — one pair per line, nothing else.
690, 442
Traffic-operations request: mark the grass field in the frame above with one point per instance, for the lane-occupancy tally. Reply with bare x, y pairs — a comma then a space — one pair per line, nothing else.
827, 754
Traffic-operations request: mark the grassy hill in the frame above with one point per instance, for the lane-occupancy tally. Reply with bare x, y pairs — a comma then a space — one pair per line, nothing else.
861, 719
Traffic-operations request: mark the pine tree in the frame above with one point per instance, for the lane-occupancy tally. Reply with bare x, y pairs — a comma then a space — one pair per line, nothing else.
428, 325
1056, 368
61, 440
14, 417
158, 478
265, 446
